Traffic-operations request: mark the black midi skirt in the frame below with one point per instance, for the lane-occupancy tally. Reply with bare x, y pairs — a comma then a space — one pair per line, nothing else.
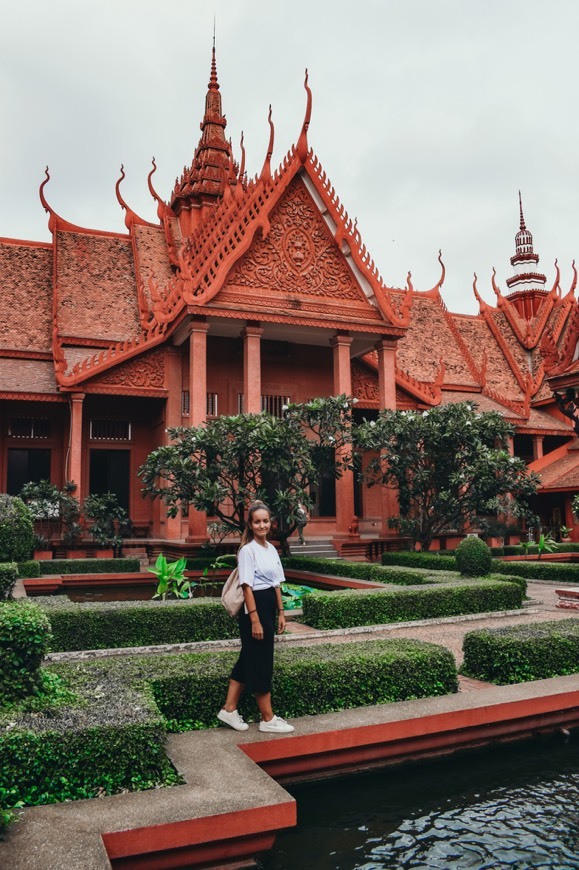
254, 667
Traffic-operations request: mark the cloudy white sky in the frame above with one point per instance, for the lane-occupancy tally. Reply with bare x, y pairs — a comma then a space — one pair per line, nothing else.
428, 116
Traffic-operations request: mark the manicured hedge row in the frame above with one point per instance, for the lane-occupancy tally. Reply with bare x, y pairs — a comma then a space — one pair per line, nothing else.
8, 577
520, 653
24, 639
30, 568
90, 566
329, 610
311, 680
100, 625
517, 550
110, 739
566, 573
356, 570
419, 560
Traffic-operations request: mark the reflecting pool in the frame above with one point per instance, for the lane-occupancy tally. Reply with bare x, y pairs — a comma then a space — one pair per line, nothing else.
512, 806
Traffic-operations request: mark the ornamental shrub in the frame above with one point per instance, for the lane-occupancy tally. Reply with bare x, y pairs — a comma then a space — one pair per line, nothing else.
24, 638
16, 529
559, 571
349, 608
518, 653
436, 561
90, 566
8, 576
473, 557
108, 625
29, 568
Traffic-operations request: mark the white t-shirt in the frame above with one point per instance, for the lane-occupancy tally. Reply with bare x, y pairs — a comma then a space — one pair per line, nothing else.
259, 567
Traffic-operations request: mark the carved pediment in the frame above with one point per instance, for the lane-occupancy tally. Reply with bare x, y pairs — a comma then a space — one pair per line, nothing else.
364, 383
298, 260
145, 372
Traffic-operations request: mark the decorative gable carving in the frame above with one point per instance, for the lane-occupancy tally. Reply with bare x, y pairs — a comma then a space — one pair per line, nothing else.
146, 372
299, 256
364, 383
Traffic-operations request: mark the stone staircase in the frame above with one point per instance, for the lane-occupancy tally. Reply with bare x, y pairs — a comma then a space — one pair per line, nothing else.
316, 548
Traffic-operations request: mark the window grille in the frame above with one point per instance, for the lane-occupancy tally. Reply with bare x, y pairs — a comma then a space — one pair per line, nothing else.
29, 427
270, 404
185, 403
109, 430
274, 404
212, 407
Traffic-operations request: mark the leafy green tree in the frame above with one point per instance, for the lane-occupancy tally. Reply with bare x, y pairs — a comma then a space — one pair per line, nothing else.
450, 465
230, 461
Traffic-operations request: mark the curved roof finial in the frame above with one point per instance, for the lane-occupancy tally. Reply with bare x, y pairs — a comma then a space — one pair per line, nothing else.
122, 202
161, 206
522, 223
265, 174
239, 186
302, 147
574, 282
498, 293
47, 208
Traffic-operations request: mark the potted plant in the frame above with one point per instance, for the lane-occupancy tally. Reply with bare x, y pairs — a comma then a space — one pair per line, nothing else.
105, 514
565, 533
43, 502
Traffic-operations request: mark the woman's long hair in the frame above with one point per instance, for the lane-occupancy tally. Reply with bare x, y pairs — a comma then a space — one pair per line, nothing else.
247, 535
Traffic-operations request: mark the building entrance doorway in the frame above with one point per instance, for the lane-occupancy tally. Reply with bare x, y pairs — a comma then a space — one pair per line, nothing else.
26, 465
110, 472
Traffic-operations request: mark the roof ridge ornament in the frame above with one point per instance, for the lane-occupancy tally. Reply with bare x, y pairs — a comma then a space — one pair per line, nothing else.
265, 174
302, 146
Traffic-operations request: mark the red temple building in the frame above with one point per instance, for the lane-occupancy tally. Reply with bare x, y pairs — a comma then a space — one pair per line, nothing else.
247, 293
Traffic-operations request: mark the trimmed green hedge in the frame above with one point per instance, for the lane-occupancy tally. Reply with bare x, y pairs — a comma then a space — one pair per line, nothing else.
90, 566
519, 653
355, 570
29, 568
8, 577
313, 680
107, 736
473, 557
518, 550
345, 609
105, 625
419, 560
566, 573
24, 638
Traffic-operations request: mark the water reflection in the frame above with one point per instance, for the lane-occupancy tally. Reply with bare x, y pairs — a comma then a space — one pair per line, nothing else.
510, 807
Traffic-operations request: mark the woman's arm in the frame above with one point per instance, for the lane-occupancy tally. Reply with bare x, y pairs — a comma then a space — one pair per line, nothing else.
280, 613
256, 626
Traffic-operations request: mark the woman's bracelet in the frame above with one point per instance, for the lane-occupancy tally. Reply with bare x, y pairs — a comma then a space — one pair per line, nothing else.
251, 611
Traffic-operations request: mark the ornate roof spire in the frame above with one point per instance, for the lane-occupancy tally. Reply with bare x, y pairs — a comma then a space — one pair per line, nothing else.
204, 181
525, 260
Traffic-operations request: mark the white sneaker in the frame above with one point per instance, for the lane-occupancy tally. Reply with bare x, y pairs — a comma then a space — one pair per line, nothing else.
233, 719
277, 725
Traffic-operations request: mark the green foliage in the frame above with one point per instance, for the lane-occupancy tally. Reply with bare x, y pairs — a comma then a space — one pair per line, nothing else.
312, 680
530, 548
575, 505
16, 529
24, 639
473, 558
100, 625
436, 561
562, 572
52, 507
546, 544
171, 580
8, 577
106, 514
354, 570
90, 566
449, 464
292, 595
519, 653
345, 609
29, 568
228, 462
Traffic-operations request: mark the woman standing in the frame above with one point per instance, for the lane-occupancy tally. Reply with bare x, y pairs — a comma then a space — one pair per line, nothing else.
260, 575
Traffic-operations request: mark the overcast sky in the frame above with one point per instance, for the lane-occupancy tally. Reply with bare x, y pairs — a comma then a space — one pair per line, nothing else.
428, 116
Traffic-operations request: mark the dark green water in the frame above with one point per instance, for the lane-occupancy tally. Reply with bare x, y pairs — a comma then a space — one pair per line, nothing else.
508, 807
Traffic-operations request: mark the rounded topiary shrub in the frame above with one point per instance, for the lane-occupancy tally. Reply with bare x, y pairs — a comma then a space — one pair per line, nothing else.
24, 637
16, 529
473, 558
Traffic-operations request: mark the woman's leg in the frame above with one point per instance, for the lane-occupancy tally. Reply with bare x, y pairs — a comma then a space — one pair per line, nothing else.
264, 704
234, 692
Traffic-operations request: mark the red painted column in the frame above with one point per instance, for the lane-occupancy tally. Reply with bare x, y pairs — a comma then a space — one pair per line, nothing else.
252, 368
197, 530
386, 352
537, 446
74, 470
170, 527
343, 384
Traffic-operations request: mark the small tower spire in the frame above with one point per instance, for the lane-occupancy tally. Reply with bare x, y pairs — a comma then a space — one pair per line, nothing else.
204, 182
526, 281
